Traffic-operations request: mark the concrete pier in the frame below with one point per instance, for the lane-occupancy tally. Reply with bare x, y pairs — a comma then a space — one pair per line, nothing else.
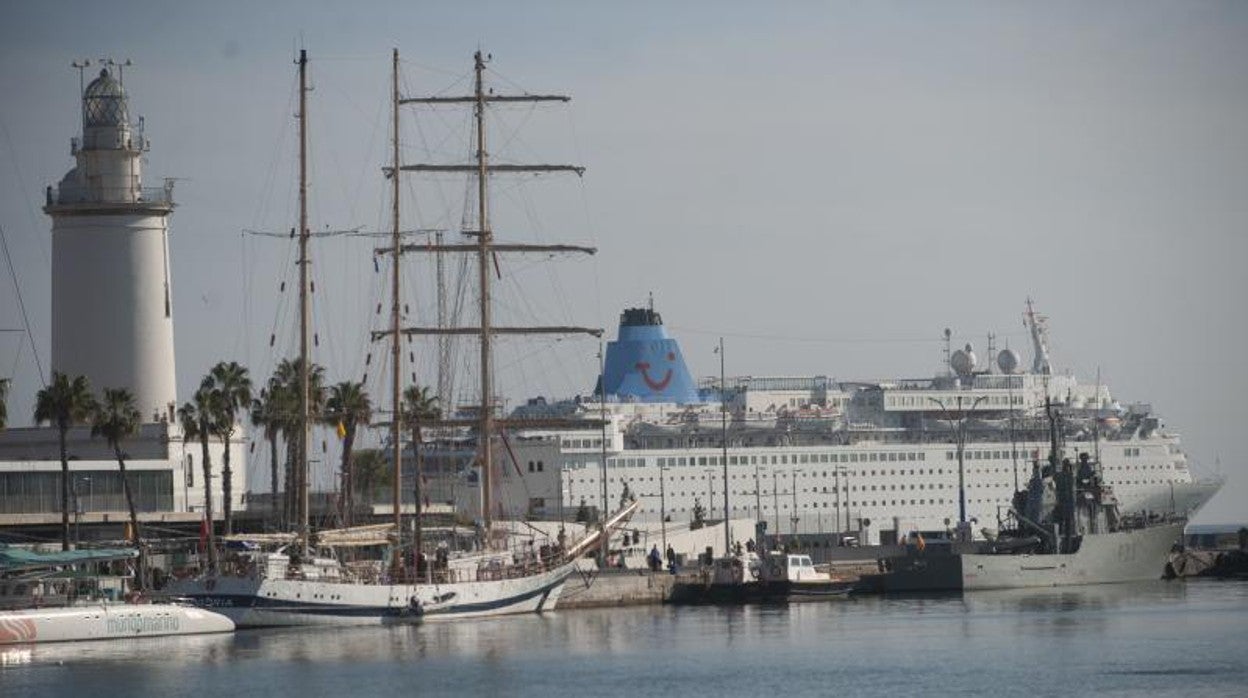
612, 588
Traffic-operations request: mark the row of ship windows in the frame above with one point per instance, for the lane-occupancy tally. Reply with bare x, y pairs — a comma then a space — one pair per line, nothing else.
766, 506
834, 489
1132, 452
803, 459
814, 458
592, 477
804, 505
924, 401
796, 459
992, 455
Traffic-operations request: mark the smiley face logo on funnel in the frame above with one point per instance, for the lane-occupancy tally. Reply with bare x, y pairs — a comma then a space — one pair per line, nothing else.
656, 385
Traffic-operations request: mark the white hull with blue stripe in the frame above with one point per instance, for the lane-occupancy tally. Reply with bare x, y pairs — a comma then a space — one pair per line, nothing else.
260, 601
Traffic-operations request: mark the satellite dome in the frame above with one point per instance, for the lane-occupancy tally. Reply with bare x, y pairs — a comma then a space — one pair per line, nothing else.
962, 361
1008, 361
104, 102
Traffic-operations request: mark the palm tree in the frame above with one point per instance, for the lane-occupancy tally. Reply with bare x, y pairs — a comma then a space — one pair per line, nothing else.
419, 407
372, 472
267, 412
232, 386
116, 419
196, 418
64, 403
287, 375
347, 408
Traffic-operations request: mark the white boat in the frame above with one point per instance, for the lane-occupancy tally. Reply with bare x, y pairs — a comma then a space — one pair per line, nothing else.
261, 589
106, 621
748, 578
260, 600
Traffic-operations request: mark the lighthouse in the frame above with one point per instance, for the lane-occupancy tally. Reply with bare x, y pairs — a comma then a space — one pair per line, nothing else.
112, 314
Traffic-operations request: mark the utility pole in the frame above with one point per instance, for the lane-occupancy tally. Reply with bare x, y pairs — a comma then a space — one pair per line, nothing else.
602, 408
837, 474
960, 442
758, 492
663, 508
848, 502
795, 516
723, 418
775, 498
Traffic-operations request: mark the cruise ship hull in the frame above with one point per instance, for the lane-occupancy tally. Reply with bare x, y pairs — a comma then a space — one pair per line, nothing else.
1181, 497
253, 602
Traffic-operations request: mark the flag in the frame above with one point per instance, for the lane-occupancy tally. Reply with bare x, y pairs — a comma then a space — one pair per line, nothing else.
342, 430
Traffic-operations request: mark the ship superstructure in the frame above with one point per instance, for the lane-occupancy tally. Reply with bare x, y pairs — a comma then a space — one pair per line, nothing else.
814, 454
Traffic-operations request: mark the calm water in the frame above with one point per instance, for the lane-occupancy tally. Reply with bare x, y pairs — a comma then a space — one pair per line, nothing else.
1160, 638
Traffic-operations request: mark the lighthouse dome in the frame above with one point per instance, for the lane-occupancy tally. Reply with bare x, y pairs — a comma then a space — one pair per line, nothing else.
104, 101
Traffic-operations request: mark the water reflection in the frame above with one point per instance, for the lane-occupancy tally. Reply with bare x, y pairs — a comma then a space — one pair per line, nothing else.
1105, 638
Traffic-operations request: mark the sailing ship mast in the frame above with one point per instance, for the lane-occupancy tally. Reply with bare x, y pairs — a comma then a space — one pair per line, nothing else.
485, 250
396, 354
304, 311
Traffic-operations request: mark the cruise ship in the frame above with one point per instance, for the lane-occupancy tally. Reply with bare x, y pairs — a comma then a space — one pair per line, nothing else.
869, 460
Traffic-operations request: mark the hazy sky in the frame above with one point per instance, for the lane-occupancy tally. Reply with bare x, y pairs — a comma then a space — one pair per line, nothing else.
827, 185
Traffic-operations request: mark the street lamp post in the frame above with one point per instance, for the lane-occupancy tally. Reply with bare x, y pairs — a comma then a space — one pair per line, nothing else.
723, 419
795, 517
836, 472
710, 491
960, 442
78, 505
775, 498
758, 492
563, 473
663, 507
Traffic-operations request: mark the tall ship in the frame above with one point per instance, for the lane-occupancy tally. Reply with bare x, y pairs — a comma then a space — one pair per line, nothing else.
303, 582
870, 460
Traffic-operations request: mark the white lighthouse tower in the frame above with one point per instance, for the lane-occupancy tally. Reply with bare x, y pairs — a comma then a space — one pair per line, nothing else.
112, 316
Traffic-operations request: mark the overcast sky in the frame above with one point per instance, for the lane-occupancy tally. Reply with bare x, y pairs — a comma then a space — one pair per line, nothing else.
826, 185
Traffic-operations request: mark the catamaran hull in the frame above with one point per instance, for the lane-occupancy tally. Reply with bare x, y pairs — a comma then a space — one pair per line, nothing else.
253, 602
107, 622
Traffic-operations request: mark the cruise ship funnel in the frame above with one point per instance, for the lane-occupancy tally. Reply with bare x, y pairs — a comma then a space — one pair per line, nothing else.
644, 364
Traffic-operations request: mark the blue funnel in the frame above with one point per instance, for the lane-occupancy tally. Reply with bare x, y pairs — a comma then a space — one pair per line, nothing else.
645, 365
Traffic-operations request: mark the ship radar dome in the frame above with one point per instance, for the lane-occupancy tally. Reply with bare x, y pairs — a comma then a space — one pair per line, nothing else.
104, 102
962, 361
1008, 361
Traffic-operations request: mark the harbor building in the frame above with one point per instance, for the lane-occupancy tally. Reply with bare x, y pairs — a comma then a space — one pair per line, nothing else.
112, 321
